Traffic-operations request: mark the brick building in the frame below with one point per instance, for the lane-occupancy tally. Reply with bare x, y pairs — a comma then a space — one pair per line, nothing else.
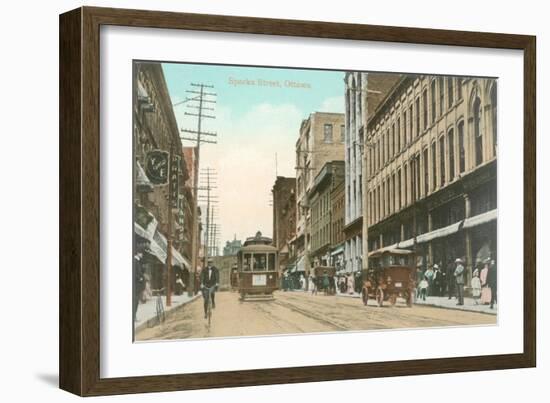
155, 128
324, 221
284, 217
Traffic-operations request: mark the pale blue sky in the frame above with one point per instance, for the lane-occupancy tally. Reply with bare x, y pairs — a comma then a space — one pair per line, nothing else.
253, 122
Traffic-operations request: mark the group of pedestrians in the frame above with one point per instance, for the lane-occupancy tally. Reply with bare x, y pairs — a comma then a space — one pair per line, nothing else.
484, 283
452, 282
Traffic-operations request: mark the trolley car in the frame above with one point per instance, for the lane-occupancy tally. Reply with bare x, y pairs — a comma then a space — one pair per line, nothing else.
257, 269
391, 274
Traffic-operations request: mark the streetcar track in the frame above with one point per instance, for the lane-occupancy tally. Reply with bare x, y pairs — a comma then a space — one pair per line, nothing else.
310, 315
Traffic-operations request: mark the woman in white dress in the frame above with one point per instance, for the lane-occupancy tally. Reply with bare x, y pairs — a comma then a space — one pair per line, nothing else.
476, 286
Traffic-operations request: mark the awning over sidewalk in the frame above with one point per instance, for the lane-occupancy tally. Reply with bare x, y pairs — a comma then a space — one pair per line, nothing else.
439, 233
158, 247
482, 218
146, 224
143, 184
338, 250
470, 222
301, 265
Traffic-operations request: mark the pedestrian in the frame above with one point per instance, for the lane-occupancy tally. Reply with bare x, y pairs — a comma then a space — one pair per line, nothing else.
419, 278
429, 275
444, 282
313, 283
485, 289
139, 282
451, 289
437, 281
423, 288
459, 280
180, 285
326, 282
476, 286
492, 281
332, 285
147, 292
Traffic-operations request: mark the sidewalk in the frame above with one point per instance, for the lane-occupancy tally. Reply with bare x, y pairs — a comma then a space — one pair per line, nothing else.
445, 302
147, 313
348, 295
469, 304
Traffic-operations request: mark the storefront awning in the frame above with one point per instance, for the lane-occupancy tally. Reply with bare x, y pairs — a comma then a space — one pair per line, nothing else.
300, 265
143, 184
146, 224
481, 219
159, 247
439, 233
450, 229
338, 250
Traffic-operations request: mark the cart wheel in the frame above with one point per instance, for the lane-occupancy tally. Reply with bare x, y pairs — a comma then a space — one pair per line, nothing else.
365, 296
380, 296
393, 299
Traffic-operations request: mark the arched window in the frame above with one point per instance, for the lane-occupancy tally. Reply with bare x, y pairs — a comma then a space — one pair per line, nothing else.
348, 114
494, 117
352, 107
451, 152
461, 149
478, 134
359, 94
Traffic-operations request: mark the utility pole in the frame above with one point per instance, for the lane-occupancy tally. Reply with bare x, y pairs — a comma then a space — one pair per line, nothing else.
213, 236
208, 175
202, 97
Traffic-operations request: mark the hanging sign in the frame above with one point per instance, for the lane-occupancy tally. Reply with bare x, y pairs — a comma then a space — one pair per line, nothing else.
174, 180
156, 167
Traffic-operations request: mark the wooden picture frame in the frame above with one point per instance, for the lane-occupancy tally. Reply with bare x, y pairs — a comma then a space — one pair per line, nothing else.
79, 346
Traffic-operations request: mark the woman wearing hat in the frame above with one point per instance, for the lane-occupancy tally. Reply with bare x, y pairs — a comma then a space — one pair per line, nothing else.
485, 289
476, 286
459, 277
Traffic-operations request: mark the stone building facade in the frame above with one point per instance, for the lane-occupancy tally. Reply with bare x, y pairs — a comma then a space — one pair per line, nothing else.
364, 91
430, 161
321, 140
284, 217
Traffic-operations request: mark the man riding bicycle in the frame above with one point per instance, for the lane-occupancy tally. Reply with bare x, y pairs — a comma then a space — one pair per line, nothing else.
209, 280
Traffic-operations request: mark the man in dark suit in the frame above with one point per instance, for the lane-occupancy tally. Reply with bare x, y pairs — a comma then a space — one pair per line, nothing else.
209, 279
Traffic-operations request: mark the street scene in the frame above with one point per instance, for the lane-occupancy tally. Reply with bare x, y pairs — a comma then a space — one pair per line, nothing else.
273, 201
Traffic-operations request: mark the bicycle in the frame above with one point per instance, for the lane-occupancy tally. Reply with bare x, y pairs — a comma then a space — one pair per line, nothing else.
208, 291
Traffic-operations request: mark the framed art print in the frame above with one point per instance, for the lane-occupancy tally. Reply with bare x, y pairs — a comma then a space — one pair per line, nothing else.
273, 201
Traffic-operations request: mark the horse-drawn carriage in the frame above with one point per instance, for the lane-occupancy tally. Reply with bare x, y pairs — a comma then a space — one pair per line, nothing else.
391, 274
325, 279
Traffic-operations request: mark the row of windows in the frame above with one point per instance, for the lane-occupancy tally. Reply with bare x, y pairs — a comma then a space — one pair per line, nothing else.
328, 133
321, 207
321, 237
406, 127
338, 228
412, 180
